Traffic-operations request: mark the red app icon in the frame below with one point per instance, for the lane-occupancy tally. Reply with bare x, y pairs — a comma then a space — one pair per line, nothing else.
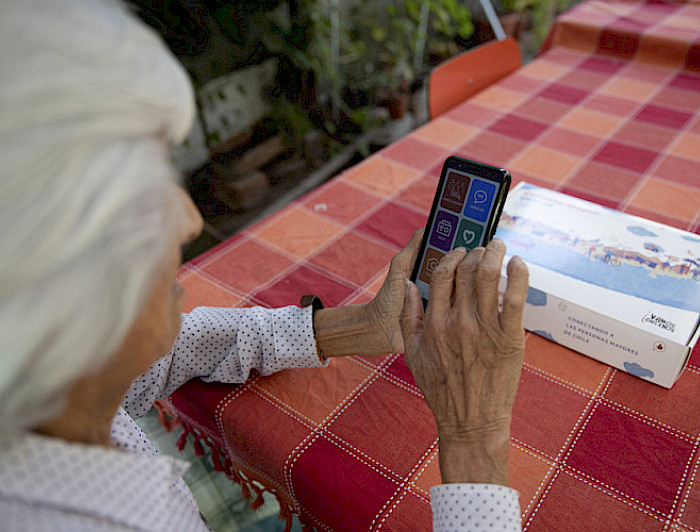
455, 191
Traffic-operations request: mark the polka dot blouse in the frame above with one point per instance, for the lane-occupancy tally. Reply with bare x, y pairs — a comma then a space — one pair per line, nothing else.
225, 345
475, 508
47, 484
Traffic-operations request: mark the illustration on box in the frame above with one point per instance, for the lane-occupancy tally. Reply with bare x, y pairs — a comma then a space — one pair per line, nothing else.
611, 254
607, 249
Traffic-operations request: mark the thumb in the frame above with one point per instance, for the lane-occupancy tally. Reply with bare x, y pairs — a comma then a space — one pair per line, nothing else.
411, 318
406, 258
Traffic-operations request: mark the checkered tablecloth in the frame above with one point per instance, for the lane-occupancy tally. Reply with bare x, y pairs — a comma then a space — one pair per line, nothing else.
662, 32
353, 446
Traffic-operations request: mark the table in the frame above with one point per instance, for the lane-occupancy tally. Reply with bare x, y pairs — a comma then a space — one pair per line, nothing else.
610, 112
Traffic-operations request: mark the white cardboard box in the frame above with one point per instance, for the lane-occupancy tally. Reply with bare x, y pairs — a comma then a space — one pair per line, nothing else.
618, 288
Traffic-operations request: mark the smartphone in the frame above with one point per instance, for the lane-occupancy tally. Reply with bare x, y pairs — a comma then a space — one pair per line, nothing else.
465, 212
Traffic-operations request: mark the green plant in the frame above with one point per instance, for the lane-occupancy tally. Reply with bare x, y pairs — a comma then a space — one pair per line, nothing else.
339, 59
399, 32
449, 20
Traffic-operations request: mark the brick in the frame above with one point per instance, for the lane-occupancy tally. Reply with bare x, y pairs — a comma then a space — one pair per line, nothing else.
250, 160
244, 192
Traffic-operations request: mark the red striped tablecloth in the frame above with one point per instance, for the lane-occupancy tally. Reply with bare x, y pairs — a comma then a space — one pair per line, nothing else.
610, 112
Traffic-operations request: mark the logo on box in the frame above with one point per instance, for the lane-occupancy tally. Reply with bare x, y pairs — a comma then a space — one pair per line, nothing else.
655, 319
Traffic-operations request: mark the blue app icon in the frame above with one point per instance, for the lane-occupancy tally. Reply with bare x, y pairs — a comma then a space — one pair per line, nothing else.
444, 230
479, 201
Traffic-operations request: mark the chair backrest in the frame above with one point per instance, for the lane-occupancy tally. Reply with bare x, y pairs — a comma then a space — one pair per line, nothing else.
464, 75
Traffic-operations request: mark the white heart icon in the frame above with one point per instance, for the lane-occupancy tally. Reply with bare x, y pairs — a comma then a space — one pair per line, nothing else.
468, 236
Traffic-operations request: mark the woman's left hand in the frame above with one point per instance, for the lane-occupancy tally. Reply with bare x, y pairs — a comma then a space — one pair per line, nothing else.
385, 309
369, 328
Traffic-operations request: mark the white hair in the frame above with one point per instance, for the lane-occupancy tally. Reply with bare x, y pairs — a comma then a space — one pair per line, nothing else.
89, 98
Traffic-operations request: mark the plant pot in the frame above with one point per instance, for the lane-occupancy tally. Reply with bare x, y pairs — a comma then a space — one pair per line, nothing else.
397, 105
514, 24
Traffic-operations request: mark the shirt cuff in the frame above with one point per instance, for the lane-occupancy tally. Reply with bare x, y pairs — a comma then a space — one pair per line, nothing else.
475, 507
295, 344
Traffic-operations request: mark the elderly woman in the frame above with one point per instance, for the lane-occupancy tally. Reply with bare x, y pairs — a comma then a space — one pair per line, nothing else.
91, 224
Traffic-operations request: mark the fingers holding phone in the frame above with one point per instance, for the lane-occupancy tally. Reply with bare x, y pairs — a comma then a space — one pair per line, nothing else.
465, 355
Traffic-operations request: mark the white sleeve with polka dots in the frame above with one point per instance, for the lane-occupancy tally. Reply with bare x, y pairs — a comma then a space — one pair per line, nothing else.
475, 507
225, 345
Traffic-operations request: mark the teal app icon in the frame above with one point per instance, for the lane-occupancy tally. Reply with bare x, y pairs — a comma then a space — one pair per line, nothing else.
468, 234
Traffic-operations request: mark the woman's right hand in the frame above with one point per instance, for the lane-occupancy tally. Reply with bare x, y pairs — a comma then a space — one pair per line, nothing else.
465, 355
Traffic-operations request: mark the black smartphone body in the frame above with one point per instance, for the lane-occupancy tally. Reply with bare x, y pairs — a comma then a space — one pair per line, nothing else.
465, 213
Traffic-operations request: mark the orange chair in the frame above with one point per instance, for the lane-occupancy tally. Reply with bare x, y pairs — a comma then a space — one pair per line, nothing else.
464, 75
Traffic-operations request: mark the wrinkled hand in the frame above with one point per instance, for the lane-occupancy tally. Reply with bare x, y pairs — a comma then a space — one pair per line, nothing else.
466, 355
385, 309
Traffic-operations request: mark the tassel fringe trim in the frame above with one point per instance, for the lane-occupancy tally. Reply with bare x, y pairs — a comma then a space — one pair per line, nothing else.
252, 490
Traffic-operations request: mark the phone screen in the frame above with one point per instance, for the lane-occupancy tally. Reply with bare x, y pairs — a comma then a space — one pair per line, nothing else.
465, 212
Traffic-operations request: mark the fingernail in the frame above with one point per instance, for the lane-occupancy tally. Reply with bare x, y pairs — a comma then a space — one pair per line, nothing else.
406, 287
